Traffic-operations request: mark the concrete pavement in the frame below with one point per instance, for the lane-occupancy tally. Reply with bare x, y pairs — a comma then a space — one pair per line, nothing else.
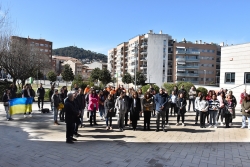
36, 142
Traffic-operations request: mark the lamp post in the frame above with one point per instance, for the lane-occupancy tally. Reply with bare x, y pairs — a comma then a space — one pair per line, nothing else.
205, 76
136, 50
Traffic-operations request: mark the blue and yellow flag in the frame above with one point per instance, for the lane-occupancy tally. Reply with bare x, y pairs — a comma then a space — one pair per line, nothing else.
20, 105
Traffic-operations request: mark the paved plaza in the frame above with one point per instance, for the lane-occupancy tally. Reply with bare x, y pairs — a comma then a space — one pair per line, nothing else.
36, 141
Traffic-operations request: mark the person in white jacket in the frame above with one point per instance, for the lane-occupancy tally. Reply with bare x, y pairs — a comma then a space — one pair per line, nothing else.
203, 108
196, 104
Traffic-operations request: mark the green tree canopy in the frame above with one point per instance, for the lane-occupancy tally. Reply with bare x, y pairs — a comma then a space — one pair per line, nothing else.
127, 78
170, 86
202, 90
51, 76
146, 87
140, 79
105, 76
67, 74
95, 75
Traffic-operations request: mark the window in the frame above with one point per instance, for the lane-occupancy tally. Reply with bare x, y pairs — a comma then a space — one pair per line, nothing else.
165, 42
41, 44
230, 77
247, 78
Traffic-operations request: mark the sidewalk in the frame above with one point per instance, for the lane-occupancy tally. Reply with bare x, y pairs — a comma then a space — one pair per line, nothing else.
36, 142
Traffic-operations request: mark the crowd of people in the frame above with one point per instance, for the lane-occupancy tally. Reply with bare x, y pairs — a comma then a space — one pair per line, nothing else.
212, 109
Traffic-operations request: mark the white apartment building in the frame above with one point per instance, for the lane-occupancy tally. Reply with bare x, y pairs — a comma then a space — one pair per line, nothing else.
235, 69
147, 53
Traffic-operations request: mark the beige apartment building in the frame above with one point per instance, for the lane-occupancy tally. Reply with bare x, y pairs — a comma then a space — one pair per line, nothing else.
162, 59
147, 53
197, 62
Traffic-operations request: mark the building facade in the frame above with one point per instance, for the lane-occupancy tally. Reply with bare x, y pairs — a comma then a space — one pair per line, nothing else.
235, 69
57, 62
197, 62
148, 53
45, 47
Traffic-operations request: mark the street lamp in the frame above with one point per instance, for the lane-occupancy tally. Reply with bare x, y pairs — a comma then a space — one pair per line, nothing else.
205, 76
136, 49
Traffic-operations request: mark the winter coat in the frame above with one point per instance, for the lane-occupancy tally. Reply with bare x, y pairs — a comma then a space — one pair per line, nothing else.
135, 110
109, 105
181, 105
56, 100
102, 99
40, 92
93, 102
121, 105
81, 101
71, 112
160, 100
245, 106
148, 105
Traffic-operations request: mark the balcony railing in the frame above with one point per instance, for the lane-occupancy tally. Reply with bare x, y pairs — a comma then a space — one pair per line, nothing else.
193, 60
187, 74
180, 59
187, 52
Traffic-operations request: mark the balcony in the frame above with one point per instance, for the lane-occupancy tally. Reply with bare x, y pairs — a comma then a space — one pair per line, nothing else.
192, 60
191, 67
187, 74
180, 59
187, 52
144, 52
143, 67
170, 52
143, 59
144, 45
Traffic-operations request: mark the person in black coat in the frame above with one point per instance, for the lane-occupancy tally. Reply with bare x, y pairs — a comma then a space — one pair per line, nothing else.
135, 109
13, 90
6, 98
40, 93
81, 101
109, 106
70, 114
181, 106
77, 118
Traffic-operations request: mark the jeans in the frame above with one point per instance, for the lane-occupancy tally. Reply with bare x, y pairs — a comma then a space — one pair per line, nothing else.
167, 115
160, 114
7, 109
197, 115
220, 114
173, 107
40, 99
109, 120
213, 115
147, 115
227, 119
61, 114
55, 114
82, 114
244, 121
126, 118
202, 118
191, 101
120, 120
102, 112
182, 116
93, 116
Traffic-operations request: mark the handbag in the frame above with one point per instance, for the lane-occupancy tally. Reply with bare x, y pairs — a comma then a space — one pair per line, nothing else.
61, 106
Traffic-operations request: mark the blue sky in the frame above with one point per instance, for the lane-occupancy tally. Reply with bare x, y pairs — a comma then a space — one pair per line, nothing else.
100, 25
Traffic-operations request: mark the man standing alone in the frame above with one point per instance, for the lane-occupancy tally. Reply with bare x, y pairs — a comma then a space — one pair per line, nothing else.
160, 101
40, 93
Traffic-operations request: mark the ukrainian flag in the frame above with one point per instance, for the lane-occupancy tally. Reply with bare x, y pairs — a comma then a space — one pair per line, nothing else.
20, 105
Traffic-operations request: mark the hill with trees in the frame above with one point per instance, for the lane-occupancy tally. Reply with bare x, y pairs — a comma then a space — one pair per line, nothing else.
79, 53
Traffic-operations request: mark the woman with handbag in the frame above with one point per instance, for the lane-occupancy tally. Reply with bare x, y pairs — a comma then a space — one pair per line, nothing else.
6, 98
148, 103
109, 105
181, 105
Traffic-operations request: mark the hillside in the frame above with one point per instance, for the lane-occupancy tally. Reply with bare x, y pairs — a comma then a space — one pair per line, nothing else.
79, 53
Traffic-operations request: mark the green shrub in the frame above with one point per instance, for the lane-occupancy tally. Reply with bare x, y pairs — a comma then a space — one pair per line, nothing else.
202, 90
170, 86
146, 87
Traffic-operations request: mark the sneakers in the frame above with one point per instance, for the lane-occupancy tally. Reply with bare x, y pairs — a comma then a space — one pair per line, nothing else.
183, 124
242, 127
221, 124
107, 128
24, 116
30, 115
215, 126
177, 124
167, 125
110, 128
230, 124
210, 126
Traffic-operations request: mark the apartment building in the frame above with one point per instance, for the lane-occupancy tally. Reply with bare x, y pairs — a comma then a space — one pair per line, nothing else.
235, 69
148, 53
76, 66
197, 62
44, 47
57, 62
